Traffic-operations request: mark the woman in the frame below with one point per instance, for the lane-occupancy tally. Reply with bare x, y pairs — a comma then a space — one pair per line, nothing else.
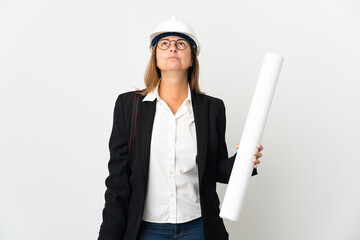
167, 150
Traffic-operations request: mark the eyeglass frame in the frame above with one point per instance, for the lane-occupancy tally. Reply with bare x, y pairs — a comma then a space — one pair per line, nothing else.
176, 42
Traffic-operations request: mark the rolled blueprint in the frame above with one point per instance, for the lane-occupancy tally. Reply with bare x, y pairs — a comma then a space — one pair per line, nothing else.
253, 131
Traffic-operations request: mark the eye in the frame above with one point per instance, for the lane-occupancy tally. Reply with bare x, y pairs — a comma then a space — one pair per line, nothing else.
182, 43
164, 44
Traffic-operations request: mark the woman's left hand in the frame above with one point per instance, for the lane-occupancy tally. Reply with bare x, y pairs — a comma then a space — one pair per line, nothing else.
257, 154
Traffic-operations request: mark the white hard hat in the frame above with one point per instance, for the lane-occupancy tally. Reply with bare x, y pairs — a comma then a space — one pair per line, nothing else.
174, 26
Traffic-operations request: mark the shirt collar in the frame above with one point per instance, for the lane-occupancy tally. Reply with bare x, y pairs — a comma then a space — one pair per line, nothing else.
154, 94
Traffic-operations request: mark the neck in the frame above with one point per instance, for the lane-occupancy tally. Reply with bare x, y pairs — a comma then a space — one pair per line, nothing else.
173, 87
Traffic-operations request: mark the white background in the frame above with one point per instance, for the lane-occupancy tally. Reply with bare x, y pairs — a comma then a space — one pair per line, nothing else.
63, 63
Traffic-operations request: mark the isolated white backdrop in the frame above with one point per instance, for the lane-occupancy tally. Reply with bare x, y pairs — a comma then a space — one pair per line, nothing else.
63, 63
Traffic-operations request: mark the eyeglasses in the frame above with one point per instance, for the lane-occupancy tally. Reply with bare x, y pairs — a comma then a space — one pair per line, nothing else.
180, 44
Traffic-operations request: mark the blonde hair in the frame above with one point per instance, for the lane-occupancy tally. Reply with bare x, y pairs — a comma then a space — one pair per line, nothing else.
153, 73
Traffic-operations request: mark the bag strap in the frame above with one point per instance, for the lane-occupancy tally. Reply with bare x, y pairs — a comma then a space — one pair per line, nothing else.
133, 127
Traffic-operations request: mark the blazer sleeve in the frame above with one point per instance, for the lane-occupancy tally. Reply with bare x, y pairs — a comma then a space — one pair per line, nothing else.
117, 183
224, 164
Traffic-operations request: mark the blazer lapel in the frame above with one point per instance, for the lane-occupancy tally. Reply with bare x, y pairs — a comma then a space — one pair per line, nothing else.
148, 114
200, 108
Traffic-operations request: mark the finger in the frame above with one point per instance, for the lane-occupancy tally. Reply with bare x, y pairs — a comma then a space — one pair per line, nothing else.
260, 147
237, 146
257, 154
256, 161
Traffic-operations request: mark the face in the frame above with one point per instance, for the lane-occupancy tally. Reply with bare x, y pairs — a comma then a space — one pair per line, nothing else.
173, 59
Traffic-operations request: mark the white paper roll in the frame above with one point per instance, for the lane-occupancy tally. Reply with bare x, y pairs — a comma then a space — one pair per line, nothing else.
251, 137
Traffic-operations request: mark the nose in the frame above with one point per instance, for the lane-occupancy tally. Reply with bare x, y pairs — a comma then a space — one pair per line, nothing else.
173, 47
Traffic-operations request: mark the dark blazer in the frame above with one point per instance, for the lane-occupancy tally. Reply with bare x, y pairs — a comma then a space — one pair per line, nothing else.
126, 185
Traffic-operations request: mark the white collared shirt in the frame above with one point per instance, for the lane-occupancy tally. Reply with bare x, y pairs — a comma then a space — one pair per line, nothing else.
173, 182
